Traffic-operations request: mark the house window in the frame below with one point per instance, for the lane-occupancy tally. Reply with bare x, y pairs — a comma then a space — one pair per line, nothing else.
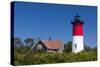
39, 47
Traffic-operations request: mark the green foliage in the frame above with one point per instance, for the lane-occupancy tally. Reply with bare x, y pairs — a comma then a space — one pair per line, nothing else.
22, 49
87, 48
29, 41
24, 56
68, 47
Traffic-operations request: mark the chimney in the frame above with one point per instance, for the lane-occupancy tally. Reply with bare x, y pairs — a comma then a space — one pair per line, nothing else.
49, 38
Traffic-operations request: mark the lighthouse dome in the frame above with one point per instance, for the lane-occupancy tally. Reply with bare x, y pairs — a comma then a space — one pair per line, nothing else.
77, 18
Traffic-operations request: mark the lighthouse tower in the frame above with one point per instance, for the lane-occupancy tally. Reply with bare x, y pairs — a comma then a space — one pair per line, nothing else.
77, 34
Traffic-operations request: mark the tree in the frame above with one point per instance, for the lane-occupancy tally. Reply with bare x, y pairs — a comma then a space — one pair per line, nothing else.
86, 48
17, 42
68, 47
29, 41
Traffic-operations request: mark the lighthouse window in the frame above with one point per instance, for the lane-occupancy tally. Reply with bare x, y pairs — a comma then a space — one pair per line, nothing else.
75, 46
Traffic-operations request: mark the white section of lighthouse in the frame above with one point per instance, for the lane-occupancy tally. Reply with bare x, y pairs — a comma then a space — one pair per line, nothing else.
77, 35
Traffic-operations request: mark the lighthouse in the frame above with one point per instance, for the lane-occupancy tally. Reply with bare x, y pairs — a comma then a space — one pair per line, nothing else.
77, 34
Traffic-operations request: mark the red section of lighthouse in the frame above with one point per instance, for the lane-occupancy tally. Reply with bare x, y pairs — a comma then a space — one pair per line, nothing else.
77, 34
77, 28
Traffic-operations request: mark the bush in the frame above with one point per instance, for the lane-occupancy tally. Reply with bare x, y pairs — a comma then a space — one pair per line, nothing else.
41, 57
68, 47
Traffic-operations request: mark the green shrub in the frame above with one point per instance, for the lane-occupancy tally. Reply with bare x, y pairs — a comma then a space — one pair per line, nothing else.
24, 56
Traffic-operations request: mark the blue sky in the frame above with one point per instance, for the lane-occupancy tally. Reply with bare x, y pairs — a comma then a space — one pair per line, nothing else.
53, 20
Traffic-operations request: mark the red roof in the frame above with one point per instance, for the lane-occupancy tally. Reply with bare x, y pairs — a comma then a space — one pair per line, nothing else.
52, 44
